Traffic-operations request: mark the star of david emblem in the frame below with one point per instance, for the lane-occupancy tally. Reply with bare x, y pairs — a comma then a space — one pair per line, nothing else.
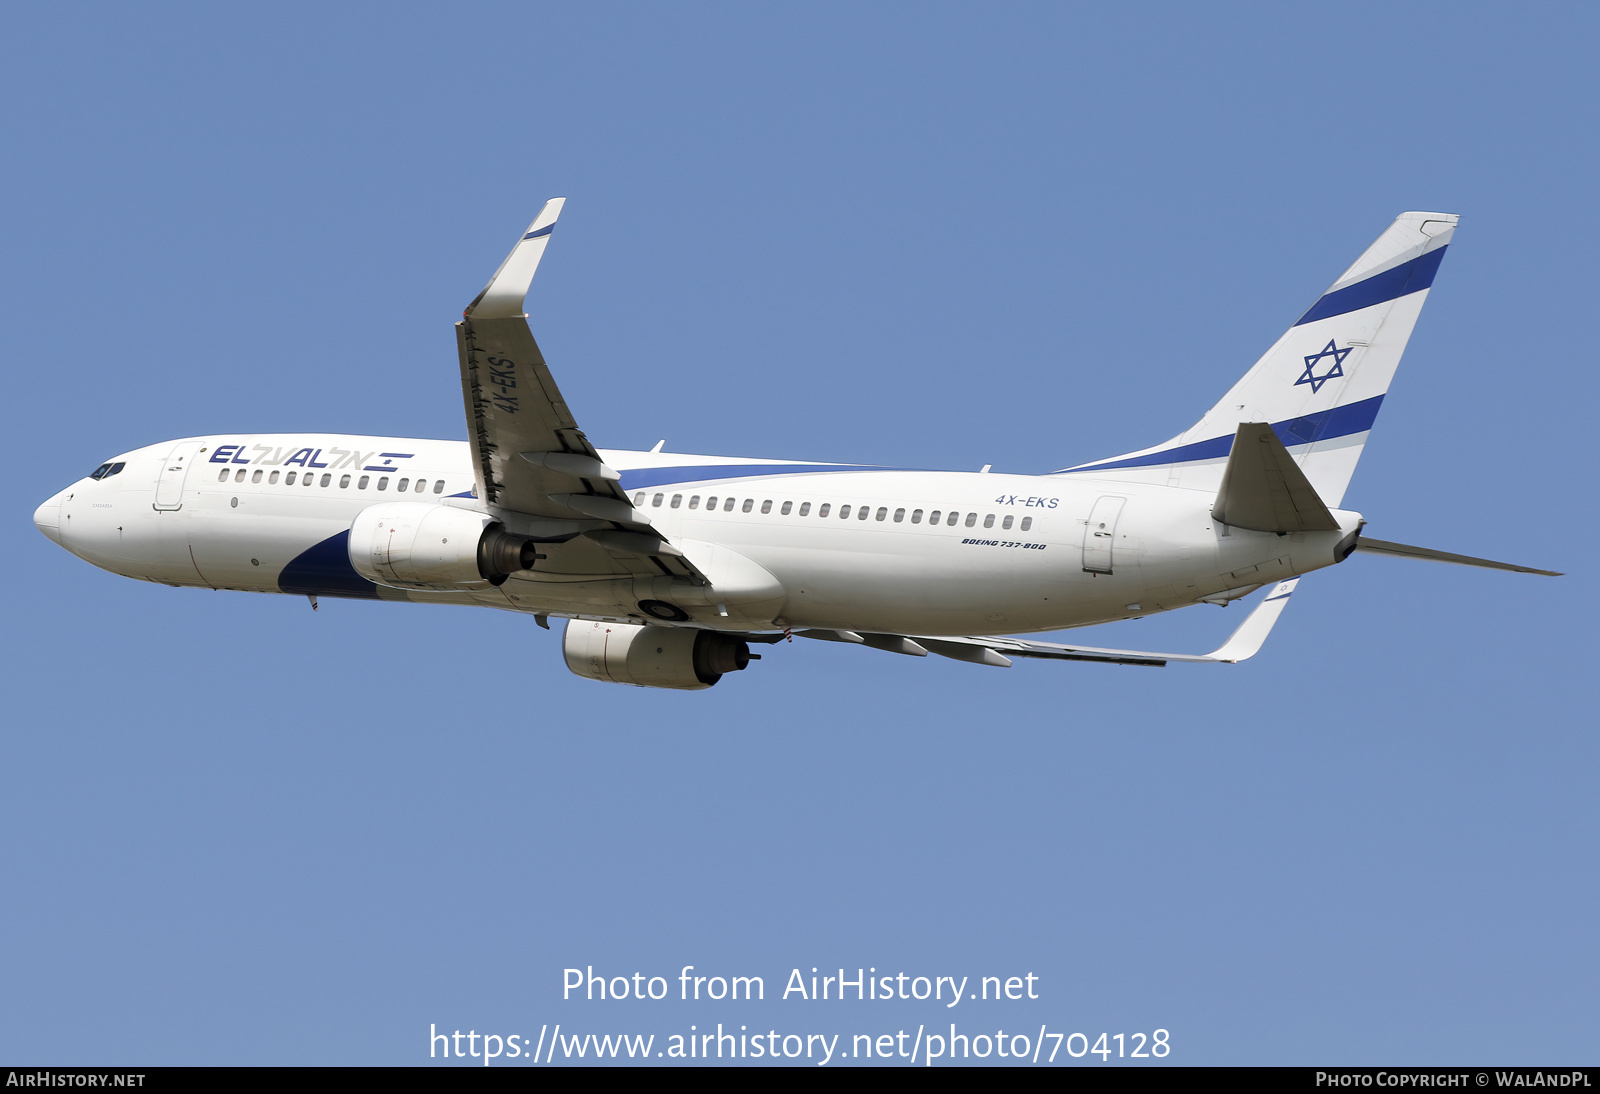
1336, 369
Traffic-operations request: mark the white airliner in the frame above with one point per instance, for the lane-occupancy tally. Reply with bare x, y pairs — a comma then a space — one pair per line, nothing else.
666, 567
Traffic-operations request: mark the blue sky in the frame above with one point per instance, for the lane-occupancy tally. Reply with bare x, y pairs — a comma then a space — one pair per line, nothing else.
919, 235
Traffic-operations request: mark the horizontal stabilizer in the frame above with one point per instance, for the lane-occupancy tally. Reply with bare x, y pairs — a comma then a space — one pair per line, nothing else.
1264, 490
1384, 547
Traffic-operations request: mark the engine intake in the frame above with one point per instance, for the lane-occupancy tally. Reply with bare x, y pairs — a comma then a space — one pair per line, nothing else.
651, 657
415, 545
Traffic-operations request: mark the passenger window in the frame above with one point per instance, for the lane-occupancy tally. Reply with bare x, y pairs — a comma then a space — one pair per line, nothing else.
899, 515
238, 476
822, 512
677, 500
311, 479
326, 479
883, 511
220, 478
655, 502
805, 509
711, 503
788, 505
1006, 524
694, 502
988, 521
638, 500
916, 517
402, 485
383, 481
361, 483
438, 486
844, 512
972, 518
421, 483
727, 505
272, 478
950, 521
257, 476
289, 479
766, 507
749, 504
933, 517
1027, 522
863, 512
344, 482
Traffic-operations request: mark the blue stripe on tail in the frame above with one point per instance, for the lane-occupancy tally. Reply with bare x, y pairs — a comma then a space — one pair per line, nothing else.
1325, 425
1403, 280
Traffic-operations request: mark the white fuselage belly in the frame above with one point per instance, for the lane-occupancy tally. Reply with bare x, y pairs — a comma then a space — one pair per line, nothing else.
892, 572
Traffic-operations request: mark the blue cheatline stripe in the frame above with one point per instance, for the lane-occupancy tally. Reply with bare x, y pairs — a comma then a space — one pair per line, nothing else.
1325, 425
325, 570
644, 477
1404, 279
546, 230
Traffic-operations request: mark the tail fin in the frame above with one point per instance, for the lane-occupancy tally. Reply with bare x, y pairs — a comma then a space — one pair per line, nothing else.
1321, 384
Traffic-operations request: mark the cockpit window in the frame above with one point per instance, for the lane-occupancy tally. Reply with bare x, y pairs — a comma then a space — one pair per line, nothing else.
106, 470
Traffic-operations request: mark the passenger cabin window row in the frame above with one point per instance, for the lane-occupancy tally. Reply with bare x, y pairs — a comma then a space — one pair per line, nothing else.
310, 478
949, 519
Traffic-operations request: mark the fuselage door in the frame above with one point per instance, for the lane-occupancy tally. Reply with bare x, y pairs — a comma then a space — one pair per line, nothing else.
169, 488
1099, 533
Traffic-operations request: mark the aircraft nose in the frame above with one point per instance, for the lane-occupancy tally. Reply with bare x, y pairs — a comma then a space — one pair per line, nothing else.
47, 518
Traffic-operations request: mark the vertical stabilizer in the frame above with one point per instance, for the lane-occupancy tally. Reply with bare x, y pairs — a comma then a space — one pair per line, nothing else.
1320, 385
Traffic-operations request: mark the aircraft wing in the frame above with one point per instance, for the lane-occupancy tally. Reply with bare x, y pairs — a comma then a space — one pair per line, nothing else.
529, 455
998, 651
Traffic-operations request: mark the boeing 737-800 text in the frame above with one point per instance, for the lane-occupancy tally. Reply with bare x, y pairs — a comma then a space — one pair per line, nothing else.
667, 567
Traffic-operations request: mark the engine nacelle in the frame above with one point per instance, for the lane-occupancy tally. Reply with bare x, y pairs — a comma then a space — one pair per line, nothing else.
651, 657
415, 545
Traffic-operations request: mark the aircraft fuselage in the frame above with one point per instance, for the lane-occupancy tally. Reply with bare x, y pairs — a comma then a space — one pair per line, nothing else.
786, 544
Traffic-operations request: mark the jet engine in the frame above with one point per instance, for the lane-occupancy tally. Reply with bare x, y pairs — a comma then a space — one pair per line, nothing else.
414, 545
651, 657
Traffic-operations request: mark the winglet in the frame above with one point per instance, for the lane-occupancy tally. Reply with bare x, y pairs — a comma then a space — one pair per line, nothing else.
1246, 641
502, 297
